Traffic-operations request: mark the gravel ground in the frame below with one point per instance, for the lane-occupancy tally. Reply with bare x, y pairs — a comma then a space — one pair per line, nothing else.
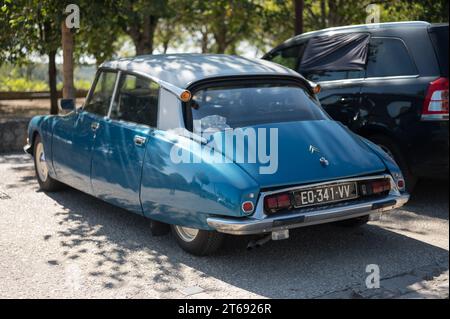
71, 245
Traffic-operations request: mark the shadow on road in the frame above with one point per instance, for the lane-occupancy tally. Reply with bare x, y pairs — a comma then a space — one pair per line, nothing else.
314, 260
310, 261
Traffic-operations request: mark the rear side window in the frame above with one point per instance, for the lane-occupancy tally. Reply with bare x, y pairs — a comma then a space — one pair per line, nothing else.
389, 57
101, 95
439, 37
136, 100
287, 57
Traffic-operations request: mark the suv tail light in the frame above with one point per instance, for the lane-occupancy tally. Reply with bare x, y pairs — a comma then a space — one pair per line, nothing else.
435, 107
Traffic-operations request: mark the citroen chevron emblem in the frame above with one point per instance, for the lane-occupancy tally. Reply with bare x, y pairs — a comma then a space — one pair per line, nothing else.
313, 149
324, 161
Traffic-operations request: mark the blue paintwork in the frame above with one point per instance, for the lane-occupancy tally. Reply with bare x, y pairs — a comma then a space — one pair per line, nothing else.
144, 180
117, 163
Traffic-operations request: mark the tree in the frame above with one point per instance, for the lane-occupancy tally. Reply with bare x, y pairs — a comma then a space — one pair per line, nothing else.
34, 26
99, 32
170, 29
226, 21
139, 19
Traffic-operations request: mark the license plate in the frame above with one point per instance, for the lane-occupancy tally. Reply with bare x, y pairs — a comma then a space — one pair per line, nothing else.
325, 194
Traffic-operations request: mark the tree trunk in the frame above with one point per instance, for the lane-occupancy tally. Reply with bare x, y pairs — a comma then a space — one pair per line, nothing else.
67, 47
52, 82
205, 42
333, 14
143, 40
221, 41
298, 6
323, 14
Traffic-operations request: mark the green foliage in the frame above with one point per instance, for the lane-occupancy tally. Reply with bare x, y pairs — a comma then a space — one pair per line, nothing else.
22, 84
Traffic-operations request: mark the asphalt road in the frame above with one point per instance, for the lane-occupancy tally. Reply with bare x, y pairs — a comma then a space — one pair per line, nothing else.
68, 244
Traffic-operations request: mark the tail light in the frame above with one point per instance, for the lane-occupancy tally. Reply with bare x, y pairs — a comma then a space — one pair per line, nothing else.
375, 187
277, 202
435, 107
381, 186
247, 207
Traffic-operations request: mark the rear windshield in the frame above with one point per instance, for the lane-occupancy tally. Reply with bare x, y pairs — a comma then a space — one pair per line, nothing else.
439, 36
220, 108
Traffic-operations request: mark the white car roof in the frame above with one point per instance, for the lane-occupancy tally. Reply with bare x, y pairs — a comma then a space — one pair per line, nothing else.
181, 70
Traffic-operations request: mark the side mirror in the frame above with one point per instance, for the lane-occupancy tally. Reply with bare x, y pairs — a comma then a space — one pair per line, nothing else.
67, 104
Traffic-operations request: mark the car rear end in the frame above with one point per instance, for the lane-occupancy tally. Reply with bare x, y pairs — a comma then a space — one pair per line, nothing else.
432, 157
279, 210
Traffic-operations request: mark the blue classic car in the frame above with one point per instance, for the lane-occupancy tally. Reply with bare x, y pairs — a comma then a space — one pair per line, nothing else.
213, 145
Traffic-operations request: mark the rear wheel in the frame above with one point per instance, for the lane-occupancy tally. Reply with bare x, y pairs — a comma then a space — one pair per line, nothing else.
196, 241
387, 145
46, 183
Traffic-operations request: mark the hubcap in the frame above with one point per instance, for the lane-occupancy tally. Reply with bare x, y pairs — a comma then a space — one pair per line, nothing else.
186, 233
41, 164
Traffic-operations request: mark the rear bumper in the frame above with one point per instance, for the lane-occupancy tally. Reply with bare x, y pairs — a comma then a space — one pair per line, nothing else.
261, 223
248, 226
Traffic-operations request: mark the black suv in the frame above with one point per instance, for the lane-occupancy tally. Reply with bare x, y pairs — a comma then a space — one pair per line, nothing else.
387, 82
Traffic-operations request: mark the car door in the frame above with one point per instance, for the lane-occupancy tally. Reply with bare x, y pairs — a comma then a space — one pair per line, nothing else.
119, 148
74, 134
340, 93
392, 86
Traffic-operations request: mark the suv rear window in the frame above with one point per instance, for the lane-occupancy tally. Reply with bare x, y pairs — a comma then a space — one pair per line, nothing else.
389, 57
439, 37
221, 107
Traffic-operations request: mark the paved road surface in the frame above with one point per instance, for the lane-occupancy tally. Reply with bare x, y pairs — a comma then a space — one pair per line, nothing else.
69, 244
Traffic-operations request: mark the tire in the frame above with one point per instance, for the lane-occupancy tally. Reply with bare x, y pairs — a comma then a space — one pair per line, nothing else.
198, 242
46, 183
354, 222
392, 149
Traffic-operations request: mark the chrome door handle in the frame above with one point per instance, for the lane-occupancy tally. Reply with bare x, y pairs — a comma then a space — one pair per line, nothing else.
95, 126
139, 140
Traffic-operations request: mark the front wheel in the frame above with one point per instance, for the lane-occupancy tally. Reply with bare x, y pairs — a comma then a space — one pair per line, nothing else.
46, 183
196, 241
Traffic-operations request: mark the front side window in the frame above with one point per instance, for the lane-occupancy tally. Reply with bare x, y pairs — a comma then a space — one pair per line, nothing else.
389, 57
287, 57
100, 99
136, 100
235, 106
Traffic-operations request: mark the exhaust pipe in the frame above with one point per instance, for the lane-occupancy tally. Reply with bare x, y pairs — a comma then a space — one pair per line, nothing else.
275, 235
256, 243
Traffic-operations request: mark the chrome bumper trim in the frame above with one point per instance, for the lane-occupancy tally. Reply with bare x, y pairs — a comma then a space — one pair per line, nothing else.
264, 224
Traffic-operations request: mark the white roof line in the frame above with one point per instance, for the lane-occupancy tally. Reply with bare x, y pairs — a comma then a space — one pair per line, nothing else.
368, 26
